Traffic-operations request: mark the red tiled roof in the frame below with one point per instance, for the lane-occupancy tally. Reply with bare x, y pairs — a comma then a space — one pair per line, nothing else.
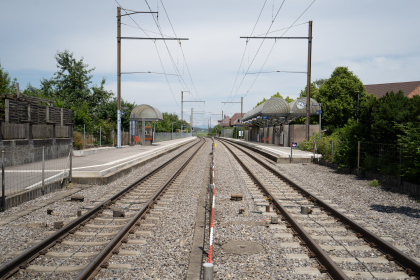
225, 121
409, 88
235, 118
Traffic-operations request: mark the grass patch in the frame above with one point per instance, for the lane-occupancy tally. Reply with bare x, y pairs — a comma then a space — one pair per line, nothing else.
374, 183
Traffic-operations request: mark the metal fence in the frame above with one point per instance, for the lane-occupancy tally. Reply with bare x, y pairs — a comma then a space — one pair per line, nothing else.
381, 158
165, 136
328, 148
37, 168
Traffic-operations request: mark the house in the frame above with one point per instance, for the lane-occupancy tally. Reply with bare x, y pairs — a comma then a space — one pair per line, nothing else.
235, 119
225, 121
408, 88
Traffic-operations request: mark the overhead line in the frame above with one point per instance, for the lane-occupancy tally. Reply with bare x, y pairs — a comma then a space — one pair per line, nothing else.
155, 47
183, 55
259, 48
274, 45
243, 55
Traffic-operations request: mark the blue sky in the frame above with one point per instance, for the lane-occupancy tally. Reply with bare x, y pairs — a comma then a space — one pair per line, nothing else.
377, 40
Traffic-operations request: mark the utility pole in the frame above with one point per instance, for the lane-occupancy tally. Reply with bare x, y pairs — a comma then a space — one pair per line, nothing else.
182, 107
308, 90
119, 77
308, 87
119, 65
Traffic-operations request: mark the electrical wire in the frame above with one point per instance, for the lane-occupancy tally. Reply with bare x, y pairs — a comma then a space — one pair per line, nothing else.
258, 50
183, 55
155, 47
268, 56
243, 55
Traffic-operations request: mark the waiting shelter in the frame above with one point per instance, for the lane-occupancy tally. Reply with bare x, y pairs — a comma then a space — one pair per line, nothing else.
143, 113
269, 122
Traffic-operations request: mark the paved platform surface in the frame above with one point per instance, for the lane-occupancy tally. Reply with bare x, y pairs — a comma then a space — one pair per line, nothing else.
105, 161
283, 153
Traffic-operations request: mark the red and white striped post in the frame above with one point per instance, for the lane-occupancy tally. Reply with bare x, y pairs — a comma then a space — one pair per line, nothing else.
208, 267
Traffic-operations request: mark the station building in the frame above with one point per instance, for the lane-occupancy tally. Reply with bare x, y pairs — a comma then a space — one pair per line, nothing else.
270, 122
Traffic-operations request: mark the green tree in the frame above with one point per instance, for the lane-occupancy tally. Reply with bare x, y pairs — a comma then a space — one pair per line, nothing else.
108, 111
339, 98
388, 113
7, 84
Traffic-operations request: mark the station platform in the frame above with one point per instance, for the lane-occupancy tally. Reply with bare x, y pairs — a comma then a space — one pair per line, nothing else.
278, 153
103, 165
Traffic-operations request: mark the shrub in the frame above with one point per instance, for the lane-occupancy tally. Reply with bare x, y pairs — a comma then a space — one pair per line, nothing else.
77, 140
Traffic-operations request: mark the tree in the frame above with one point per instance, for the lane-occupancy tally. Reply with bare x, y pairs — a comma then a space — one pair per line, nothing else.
108, 111
71, 88
339, 98
7, 84
389, 113
288, 99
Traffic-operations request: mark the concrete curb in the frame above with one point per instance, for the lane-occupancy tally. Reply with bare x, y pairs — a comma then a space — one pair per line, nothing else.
82, 153
109, 175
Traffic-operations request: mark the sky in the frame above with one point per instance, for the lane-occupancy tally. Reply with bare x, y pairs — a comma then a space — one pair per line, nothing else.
377, 40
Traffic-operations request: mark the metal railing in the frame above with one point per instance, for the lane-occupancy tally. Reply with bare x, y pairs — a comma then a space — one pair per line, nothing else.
24, 171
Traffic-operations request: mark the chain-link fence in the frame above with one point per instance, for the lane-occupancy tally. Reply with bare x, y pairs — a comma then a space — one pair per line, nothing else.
32, 168
328, 148
165, 136
389, 159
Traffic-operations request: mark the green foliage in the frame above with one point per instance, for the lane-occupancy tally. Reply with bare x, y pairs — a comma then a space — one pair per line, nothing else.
338, 96
324, 146
409, 141
288, 99
374, 183
7, 84
259, 103
388, 112
213, 130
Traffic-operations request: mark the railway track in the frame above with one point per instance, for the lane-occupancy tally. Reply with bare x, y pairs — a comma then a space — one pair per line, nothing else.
82, 247
343, 248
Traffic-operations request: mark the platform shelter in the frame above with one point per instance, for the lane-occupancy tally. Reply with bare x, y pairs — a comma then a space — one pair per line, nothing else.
270, 122
142, 114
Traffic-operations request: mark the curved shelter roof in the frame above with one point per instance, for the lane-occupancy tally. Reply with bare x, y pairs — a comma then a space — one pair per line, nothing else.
146, 112
277, 107
298, 107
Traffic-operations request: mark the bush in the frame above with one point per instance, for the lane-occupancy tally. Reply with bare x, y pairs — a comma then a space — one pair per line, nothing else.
77, 140
374, 183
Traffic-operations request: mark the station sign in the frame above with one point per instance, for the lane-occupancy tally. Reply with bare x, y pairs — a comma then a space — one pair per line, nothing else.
264, 117
319, 112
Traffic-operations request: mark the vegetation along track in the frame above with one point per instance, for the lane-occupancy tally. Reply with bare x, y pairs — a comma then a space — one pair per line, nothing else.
72, 243
343, 248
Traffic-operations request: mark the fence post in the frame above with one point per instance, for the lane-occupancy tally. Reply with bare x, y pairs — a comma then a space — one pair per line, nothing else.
84, 136
71, 162
43, 169
113, 138
3, 194
358, 157
332, 150
100, 135
399, 169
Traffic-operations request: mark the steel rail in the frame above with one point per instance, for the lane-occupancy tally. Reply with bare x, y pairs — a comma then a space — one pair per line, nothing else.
411, 265
332, 269
22, 260
95, 265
